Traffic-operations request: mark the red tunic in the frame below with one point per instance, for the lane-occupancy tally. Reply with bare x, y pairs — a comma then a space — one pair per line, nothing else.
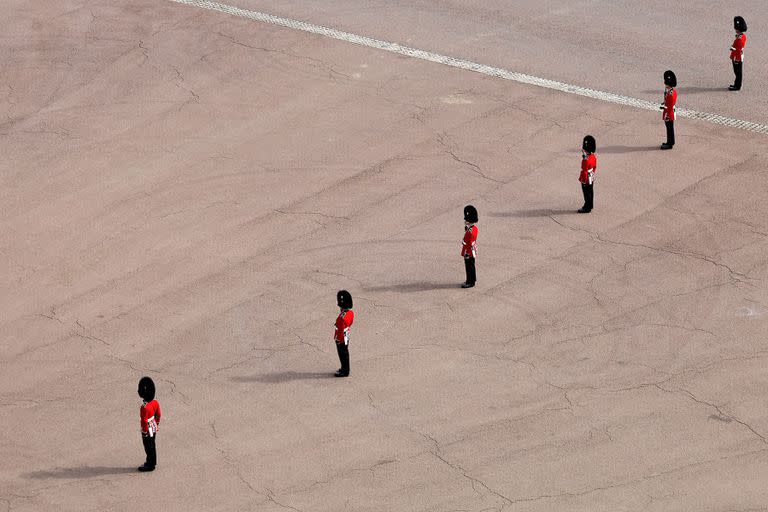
737, 50
670, 98
588, 168
469, 244
150, 417
343, 323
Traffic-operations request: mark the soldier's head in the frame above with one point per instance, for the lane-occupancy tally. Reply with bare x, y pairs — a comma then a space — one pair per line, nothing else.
670, 80
739, 25
344, 299
470, 214
147, 389
589, 145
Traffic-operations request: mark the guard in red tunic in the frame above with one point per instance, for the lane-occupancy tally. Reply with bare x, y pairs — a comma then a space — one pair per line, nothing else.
587, 174
737, 51
469, 245
150, 420
341, 334
668, 108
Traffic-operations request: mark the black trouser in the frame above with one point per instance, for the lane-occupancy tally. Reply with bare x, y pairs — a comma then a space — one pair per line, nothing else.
469, 266
670, 132
343, 351
589, 195
149, 449
737, 65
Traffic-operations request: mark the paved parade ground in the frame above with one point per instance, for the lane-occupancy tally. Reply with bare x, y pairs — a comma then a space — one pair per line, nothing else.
184, 191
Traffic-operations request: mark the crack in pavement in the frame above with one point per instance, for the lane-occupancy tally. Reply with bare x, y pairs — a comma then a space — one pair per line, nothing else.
179, 81
370, 401
734, 274
538, 115
144, 52
332, 72
456, 467
214, 204
474, 167
52, 315
509, 421
473, 480
294, 333
174, 391
86, 336
341, 475
597, 237
564, 390
132, 365
249, 358
626, 483
214, 433
372, 468
670, 376
312, 213
230, 462
723, 414
91, 338
60, 133
678, 326
25, 402
271, 497
359, 282
418, 116
373, 302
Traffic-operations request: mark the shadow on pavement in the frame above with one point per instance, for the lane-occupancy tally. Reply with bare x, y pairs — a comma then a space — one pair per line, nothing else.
423, 286
628, 149
688, 90
80, 472
539, 212
273, 378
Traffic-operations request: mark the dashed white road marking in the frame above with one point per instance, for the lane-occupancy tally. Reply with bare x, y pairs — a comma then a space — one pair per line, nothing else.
471, 66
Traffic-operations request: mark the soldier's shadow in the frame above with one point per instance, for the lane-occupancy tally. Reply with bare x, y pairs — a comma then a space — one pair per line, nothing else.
421, 286
627, 149
277, 377
688, 90
79, 472
536, 212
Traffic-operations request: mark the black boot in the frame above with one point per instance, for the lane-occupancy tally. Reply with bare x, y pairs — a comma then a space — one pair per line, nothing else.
150, 450
343, 351
469, 266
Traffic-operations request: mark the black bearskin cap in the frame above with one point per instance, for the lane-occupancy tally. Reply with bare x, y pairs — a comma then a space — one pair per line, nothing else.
739, 24
147, 389
470, 214
344, 299
589, 145
670, 79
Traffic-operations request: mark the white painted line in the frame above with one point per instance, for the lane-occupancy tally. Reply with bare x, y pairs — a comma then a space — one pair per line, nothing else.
472, 66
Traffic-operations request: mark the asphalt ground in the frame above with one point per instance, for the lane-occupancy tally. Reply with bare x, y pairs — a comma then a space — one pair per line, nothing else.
184, 191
